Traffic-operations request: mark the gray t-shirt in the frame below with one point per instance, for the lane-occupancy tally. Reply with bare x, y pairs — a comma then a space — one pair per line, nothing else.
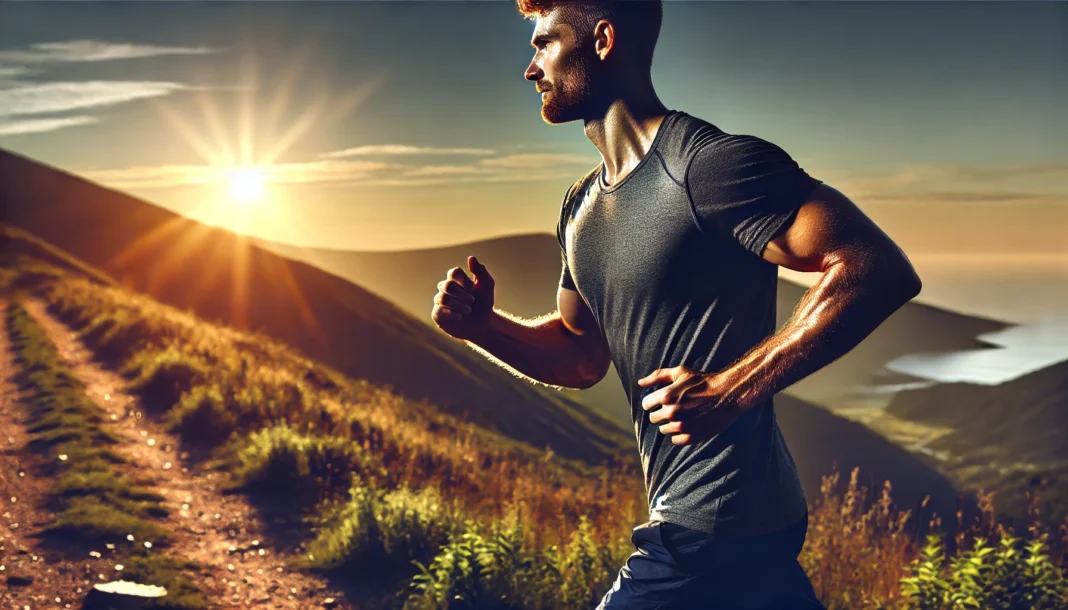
669, 262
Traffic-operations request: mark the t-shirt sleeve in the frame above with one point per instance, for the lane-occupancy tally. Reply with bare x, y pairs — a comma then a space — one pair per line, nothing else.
566, 281
745, 188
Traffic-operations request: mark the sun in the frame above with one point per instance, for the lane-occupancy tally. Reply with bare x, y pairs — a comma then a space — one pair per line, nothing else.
246, 185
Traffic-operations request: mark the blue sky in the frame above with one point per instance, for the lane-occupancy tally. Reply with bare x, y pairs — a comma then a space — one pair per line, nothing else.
390, 125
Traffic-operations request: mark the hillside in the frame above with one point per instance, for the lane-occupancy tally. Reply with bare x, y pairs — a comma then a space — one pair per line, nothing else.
222, 277
1009, 436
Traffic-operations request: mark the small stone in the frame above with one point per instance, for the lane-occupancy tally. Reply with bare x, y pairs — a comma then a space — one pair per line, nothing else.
329, 602
148, 544
94, 554
230, 567
130, 537
151, 442
119, 567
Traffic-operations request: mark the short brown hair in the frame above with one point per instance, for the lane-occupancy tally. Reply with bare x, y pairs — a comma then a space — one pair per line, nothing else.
636, 21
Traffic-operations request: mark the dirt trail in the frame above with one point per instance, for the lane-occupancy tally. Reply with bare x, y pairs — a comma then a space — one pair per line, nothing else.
30, 575
220, 532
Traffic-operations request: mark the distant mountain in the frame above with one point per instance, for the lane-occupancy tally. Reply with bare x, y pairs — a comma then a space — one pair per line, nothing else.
223, 277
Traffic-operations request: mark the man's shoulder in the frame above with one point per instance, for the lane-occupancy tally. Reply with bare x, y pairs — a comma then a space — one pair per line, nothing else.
694, 136
689, 136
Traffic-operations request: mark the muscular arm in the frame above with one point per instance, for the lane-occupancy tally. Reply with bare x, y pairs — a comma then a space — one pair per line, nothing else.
865, 278
563, 349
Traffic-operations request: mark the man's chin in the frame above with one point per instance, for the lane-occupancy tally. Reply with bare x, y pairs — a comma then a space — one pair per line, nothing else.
556, 116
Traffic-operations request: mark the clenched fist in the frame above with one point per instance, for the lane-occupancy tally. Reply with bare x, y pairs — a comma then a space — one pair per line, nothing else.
462, 307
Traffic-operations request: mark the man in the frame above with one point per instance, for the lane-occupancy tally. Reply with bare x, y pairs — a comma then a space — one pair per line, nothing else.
670, 253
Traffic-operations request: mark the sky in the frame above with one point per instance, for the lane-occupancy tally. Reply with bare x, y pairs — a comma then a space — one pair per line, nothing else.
397, 125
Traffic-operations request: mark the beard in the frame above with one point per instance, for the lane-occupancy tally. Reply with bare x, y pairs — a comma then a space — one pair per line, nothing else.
571, 97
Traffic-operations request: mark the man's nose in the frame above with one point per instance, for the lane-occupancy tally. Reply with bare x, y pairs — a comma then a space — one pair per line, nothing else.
533, 72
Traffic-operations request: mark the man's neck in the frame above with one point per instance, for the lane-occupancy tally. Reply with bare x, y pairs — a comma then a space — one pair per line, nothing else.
624, 135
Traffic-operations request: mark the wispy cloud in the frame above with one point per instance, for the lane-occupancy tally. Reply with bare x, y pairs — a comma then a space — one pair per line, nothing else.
94, 50
155, 176
21, 99
11, 74
956, 184
508, 168
538, 160
403, 149
65, 96
8, 128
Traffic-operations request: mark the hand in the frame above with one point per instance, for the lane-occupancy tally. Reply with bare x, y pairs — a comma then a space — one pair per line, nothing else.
694, 407
462, 307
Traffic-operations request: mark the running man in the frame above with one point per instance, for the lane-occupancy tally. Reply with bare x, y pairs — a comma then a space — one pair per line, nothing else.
670, 252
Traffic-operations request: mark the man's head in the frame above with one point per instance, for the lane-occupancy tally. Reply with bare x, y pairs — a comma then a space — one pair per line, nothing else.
590, 52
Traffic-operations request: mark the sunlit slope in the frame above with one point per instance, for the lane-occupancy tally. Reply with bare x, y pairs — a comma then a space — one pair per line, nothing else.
221, 276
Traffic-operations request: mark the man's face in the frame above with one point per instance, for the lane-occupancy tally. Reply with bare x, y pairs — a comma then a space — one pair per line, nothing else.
562, 69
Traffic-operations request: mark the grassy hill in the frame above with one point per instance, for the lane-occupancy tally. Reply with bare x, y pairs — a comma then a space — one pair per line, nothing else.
220, 276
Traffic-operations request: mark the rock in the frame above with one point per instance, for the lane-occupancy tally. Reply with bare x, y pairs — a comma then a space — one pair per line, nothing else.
330, 602
121, 595
19, 580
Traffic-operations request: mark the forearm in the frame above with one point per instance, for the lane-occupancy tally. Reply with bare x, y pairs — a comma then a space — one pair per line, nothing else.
849, 301
542, 349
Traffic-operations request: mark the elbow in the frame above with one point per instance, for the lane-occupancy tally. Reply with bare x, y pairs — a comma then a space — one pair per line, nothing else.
911, 285
895, 273
594, 373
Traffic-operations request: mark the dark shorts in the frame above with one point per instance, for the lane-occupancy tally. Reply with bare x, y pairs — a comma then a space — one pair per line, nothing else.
676, 567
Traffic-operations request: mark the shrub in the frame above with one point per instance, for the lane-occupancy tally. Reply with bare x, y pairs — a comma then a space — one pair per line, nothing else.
160, 377
298, 470
382, 531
